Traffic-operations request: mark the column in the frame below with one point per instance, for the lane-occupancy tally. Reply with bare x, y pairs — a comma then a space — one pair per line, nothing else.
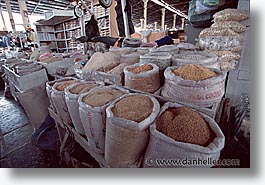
145, 13
24, 12
163, 18
3, 20
155, 25
8, 7
114, 32
125, 19
174, 21
142, 24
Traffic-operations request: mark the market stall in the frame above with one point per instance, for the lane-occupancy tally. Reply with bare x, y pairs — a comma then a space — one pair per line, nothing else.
133, 101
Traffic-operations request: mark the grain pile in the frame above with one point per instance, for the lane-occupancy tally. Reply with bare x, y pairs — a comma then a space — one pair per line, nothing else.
65, 84
185, 125
194, 72
101, 97
135, 108
82, 88
141, 68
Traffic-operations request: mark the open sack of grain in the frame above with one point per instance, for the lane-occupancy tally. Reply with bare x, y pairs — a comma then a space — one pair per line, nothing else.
187, 48
122, 51
49, 88
107, 67
194, 84
143, 77
58, 100
35, 103
166, 49
127, 135
92, 110
198, 57
99, 62
72, 94
181, 133
162, 60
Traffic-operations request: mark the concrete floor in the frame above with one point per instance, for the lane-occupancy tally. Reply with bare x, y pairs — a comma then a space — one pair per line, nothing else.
15, 138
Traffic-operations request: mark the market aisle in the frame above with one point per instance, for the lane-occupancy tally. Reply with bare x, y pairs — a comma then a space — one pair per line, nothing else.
15, 138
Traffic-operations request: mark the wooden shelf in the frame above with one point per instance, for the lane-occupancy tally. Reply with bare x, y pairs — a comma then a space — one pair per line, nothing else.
47, 40
74, 28
58, 31
45, 31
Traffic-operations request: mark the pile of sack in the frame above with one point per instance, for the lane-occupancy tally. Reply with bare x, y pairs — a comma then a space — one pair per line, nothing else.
224, 38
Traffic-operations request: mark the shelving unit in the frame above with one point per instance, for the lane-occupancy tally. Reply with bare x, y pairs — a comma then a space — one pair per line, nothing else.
60, 27
59, 35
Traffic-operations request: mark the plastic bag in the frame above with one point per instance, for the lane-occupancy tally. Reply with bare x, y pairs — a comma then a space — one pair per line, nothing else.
233, 25
215, 3
213, 32
230, 14
220, 43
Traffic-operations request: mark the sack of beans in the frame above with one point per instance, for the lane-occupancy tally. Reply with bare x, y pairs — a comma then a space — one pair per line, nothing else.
183, 137
226, 55
162, 60
230, 14
143, 77
92, 110
213, 32
72, 94
49, 88
127, 135
217, 43
198, 57
58, 100
194, 84
233, 25
228, 60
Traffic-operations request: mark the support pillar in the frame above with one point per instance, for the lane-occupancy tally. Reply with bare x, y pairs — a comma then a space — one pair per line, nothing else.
142, 24
24, 12
125, 19
163, 18
3, 20
155, 25
174, 21
145, 13
9, 10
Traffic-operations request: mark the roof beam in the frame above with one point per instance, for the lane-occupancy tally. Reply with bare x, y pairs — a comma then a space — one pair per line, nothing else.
169, 7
